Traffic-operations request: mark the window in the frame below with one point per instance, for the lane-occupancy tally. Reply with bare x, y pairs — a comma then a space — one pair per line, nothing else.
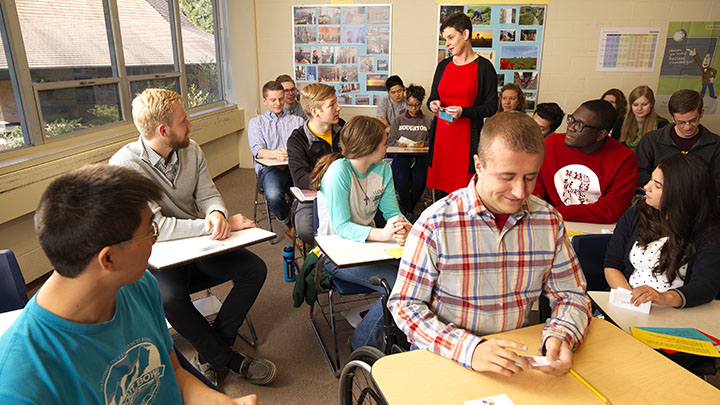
88, 58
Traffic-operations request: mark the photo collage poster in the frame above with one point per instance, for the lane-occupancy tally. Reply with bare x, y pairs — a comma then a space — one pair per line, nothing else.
344, 46
509, 36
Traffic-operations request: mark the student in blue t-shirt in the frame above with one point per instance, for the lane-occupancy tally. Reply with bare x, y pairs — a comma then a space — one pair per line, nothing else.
95, 332
352, 187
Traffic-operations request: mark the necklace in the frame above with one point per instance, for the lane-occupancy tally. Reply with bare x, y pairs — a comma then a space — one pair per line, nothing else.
366, 199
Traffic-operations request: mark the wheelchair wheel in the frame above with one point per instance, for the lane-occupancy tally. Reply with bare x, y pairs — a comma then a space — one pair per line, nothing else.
356, 384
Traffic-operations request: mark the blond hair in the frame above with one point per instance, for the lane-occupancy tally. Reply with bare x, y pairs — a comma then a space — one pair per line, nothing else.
516, 129
314, 95
629, 131
153, 107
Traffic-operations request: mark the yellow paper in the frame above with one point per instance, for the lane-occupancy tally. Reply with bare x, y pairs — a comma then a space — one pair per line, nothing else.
395, 252
574, 233
685, 345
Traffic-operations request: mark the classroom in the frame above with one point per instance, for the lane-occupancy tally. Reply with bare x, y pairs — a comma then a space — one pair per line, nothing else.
254, 44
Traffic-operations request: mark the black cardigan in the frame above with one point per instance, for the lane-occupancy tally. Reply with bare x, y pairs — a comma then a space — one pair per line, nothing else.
485, 105
305, 149
702, 279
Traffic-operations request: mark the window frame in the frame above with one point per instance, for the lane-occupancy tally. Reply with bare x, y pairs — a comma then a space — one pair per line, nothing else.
28, 93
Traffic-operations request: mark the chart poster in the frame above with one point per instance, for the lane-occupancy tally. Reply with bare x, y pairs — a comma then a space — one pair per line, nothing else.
627, 49
691, 61
344, 46
509, 36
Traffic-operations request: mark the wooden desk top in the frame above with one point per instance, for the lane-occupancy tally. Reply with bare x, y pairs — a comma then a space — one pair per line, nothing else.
401, 150
344, 252
622, 368
588, 228
271, 162
173, 253
704, 317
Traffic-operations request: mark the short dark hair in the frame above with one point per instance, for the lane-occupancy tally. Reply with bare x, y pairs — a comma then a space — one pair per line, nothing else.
87, 209
392, 81
551, 112
459, 21
284, 78
605, 113
415, 91
684, 101
272, 85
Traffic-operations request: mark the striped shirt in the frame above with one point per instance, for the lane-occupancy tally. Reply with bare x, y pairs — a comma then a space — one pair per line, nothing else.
461, 277
271, 131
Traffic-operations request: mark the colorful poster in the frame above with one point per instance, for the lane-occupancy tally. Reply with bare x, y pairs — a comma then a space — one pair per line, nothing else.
344, 46
627, 49
691, 61
509, 36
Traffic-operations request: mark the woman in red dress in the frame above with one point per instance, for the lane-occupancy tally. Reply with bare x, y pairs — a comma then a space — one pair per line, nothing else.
464, 87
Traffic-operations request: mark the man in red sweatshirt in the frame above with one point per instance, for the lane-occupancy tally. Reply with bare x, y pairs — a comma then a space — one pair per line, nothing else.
587, 175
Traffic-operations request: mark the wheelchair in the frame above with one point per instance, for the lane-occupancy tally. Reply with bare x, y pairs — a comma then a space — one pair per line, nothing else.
356, 384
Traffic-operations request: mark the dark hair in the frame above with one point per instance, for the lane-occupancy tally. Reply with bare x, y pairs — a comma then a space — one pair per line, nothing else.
521, 96
620, 101
459, 21
392, 81
629, 130
688, 207
272, 85
284, 78
551, 112
417, 92
684, 101
516, 129
605, 113
359, 137
87, 209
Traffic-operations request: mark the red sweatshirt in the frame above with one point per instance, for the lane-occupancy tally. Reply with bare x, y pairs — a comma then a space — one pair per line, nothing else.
587, 187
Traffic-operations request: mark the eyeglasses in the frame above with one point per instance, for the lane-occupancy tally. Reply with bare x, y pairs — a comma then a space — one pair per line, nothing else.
578, 125
418, 105
688, 122
294, 89
154, 235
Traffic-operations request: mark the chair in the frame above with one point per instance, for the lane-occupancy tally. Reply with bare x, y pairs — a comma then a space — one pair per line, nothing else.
260, 200
329, 311
590, 250
13, 294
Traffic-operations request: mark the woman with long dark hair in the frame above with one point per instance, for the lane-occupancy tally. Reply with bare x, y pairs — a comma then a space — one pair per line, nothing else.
617, 98
667, 249
352, 187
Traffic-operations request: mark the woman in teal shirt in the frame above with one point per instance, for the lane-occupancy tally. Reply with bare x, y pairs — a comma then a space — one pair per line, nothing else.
352, 187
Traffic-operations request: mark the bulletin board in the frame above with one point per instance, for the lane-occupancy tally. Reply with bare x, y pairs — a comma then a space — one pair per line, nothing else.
344, 46
509, 36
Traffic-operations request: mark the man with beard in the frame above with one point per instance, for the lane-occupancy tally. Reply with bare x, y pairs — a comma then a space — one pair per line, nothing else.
192, 206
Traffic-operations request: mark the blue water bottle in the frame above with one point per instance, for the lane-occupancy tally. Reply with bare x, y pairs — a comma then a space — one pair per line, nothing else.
289, 258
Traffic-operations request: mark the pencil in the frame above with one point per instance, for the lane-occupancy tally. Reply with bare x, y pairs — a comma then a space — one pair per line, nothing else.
590, 387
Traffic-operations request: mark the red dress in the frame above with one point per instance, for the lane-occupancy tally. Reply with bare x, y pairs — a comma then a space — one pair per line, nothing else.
451, 151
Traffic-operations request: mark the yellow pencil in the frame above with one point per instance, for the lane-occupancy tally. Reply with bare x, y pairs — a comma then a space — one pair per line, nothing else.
587, 384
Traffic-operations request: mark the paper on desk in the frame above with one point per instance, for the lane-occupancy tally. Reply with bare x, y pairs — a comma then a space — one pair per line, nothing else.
620, 297
689, 333
681, 344
501, 399
395, 252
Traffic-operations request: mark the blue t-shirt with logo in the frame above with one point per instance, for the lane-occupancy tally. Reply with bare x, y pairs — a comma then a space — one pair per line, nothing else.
45, 359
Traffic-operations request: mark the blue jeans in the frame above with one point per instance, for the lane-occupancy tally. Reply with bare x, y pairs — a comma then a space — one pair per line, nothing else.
410, 174
276, 182
371, 327
708, 86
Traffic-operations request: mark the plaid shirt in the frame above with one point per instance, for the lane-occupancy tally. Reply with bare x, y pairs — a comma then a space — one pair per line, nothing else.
461, 277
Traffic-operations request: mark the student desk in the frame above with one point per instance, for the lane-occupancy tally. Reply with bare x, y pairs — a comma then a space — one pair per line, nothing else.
271, 162
704, 317
173, 253
622, 368
345, 253
402, 150
588, 228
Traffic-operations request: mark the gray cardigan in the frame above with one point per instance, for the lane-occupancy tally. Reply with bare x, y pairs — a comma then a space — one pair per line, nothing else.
186, 201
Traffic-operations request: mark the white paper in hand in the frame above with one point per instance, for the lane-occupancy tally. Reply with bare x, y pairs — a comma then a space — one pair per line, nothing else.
621, 297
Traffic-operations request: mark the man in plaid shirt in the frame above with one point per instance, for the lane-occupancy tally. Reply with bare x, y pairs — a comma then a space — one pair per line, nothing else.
476, 260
